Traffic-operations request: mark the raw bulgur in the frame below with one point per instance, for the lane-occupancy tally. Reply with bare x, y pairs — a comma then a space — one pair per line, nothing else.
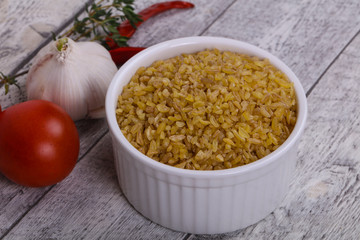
207, 111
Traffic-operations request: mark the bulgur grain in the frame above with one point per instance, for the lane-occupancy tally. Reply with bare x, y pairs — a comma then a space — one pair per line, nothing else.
209, 110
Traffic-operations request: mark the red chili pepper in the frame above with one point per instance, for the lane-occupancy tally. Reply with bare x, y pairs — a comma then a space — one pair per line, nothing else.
122, 54
127, 30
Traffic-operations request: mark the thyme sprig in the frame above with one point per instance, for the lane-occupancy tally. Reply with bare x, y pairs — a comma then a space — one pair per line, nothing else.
100, 24
102, 21
6, 80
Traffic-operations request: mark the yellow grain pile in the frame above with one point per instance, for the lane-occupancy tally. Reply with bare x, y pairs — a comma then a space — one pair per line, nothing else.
207, 111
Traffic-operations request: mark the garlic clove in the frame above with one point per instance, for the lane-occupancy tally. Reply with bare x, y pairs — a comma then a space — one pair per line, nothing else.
73, 75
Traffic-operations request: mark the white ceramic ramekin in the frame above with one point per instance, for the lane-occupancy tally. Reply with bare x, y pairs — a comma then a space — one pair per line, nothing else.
202, 202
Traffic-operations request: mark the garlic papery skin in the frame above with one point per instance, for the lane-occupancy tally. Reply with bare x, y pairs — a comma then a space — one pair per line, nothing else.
74, 75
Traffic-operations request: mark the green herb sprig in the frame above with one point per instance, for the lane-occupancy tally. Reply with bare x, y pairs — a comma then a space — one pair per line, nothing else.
102, 21
6, 81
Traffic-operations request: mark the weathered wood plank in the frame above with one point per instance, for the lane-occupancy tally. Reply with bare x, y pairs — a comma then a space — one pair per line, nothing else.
179, 23
307, 35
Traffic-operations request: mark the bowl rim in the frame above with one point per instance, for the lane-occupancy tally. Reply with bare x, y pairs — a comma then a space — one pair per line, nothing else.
150, 53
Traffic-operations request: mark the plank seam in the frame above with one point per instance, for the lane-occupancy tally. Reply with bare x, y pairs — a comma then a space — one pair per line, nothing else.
215, 19
330, 65
24, 214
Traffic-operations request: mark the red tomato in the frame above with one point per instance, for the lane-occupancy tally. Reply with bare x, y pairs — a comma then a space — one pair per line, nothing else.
39, 143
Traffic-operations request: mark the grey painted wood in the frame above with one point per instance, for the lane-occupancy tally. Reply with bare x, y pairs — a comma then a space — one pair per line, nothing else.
306, 35
180, 23
310, 36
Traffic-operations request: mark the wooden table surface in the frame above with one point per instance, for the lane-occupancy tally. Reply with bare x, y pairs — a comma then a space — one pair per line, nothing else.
319, 40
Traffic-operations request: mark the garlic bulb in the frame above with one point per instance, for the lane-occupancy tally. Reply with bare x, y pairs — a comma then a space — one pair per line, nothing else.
74, 75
